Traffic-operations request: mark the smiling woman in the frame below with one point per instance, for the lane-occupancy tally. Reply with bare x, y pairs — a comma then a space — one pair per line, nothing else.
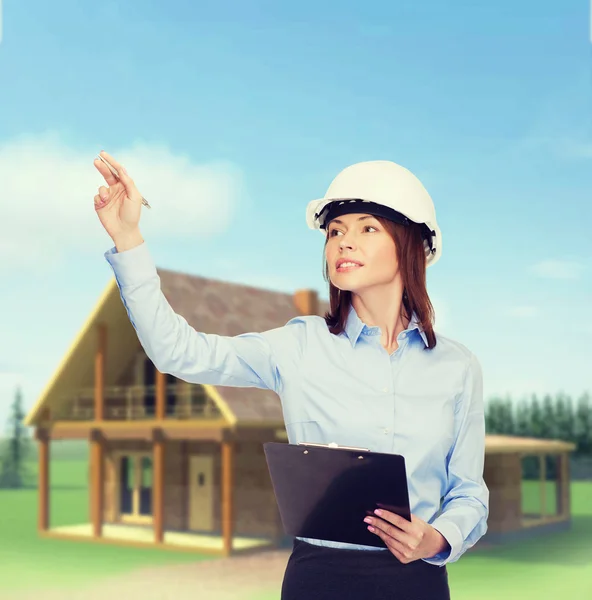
370, 373
362, 251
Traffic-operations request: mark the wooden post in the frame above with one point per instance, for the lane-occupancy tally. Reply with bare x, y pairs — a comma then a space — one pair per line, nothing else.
563, 483
227, 495
543, 478
160, 395
43, 491
97, 451
100, 356
158, 487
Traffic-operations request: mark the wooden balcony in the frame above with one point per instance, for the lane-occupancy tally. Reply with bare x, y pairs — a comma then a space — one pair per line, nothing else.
136, 403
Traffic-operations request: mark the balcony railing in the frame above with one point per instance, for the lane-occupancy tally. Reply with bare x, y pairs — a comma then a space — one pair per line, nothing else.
133, 403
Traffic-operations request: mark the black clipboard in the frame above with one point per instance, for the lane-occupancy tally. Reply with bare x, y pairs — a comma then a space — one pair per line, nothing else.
324, 492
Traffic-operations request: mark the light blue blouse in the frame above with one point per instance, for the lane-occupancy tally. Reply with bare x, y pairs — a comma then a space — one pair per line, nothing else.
424, 404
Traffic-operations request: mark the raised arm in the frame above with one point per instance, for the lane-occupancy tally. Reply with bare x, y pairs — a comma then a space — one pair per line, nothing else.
175, 347
169, 341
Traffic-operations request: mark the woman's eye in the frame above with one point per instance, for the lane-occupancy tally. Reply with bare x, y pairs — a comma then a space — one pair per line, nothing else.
334, 232
370, 227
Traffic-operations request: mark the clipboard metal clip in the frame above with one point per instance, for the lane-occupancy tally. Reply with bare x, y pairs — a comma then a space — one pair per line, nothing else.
334, 445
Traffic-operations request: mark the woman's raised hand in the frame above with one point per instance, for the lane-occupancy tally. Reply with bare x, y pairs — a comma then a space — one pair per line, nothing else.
118, 204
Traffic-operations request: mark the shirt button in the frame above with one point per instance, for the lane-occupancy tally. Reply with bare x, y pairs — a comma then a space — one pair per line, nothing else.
385, 431
385, 390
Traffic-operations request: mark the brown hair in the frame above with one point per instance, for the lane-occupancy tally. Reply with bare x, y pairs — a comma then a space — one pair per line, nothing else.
412, 264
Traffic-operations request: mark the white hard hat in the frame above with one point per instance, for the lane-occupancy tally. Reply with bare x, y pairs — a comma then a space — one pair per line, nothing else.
381, 188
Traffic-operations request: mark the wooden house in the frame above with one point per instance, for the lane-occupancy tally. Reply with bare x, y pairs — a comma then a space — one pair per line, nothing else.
180, 465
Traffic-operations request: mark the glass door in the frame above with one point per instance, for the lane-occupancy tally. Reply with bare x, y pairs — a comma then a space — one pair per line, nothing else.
135, 487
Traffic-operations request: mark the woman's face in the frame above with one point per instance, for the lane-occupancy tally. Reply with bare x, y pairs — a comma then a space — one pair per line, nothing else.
360, 253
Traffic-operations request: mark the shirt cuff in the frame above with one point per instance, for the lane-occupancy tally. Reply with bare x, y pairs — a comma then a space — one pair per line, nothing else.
133, 266
453, 536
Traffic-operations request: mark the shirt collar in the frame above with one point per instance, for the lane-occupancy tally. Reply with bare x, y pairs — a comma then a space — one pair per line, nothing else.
354, 327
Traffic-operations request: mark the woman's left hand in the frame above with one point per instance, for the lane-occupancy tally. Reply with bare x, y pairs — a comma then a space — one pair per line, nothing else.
407, 541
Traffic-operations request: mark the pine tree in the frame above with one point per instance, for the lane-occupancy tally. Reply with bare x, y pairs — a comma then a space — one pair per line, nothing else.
12, 468
536, 418
523, 420
563, 416
583, 426
494, 418
548, 421
570, 425
509, 425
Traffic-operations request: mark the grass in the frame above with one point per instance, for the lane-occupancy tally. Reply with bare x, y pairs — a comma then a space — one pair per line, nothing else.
28, 561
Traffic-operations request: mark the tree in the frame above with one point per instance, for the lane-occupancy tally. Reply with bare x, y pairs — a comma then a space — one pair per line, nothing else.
12, 467
548, 421
564, 418
494, 418
536, 418
523, 420
583, 425
509, 423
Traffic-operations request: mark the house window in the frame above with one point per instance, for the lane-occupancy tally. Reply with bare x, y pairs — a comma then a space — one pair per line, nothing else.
135, 487
126, 485
146, 486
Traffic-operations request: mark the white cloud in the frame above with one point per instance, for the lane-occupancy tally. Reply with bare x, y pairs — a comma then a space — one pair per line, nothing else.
558, 269
523, 311
47, 190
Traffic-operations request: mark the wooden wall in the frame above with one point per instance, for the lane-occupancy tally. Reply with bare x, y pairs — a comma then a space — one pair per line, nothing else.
503, 476
255, 505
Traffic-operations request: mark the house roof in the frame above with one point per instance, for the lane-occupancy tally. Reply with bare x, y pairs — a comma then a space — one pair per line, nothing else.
507, 444
208, 305
213, 306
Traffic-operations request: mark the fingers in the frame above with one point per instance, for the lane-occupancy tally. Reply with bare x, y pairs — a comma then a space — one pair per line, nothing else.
111, 161
396, 519
102, 198
403, 552
103, 169
99, 202
124, 178
382, 527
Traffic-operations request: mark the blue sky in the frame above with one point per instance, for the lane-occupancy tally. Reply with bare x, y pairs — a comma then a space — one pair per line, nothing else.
232, 117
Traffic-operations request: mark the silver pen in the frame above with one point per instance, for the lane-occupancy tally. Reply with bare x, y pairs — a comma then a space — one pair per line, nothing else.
116, 175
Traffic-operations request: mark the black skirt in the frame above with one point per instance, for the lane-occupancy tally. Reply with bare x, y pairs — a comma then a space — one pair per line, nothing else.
321, 573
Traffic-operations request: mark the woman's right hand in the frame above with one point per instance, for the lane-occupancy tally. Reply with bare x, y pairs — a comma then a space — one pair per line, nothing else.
118, 204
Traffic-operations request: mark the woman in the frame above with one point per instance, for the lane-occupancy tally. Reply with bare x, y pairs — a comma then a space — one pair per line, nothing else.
371, 374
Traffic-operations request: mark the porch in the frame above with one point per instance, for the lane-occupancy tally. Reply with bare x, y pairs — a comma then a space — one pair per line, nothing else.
143, 536
139, 402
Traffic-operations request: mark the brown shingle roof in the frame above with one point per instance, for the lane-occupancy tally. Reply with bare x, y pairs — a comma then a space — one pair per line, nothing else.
226, 308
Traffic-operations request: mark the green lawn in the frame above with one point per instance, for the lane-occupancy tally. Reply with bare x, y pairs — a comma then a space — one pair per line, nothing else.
29, 561
553, 566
